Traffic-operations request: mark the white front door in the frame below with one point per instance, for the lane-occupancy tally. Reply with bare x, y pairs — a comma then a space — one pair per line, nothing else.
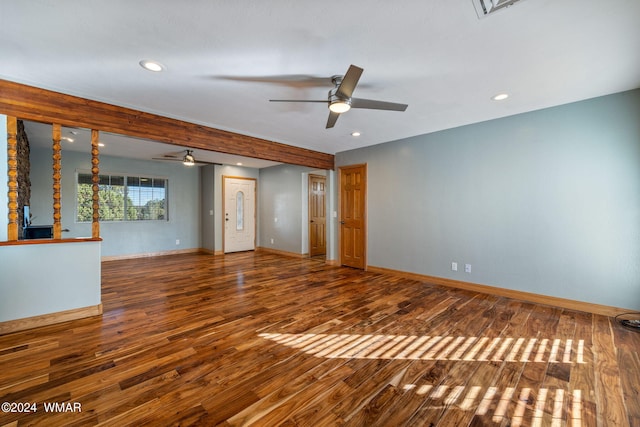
239, 214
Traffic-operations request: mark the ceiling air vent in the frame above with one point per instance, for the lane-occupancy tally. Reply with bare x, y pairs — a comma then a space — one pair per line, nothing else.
487, 7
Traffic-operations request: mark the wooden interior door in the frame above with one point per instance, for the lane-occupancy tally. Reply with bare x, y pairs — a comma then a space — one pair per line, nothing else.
317, 215
352, 216
239, 201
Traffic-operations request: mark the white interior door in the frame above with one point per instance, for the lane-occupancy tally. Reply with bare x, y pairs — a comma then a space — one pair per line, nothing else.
239, 214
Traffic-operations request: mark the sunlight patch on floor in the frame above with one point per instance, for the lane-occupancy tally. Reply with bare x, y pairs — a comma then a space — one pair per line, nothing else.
412, 347
524, 407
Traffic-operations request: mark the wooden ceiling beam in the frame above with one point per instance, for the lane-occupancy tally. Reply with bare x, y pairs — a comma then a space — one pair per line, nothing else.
41, 105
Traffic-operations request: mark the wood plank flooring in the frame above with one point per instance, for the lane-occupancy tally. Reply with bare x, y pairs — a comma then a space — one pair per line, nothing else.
264, 339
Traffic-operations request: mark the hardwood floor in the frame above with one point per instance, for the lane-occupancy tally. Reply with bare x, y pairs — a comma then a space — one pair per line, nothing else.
263, 339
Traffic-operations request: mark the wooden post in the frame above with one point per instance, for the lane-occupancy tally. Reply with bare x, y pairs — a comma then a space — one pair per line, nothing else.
95, 179
57, 166
12, 175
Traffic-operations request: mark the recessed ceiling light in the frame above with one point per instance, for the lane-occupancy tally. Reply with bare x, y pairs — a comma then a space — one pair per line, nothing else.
355, 133
239, 164
66, 138
500, 97
147, 64
100, 144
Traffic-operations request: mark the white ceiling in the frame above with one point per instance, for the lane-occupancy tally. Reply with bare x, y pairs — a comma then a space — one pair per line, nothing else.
225, 59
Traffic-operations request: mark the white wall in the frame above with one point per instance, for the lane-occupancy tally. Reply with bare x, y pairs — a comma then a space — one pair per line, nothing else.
545, 202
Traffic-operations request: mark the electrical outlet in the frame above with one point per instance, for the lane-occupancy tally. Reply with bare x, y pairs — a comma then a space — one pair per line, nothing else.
454, 266
177, 242
272, 241
467, 268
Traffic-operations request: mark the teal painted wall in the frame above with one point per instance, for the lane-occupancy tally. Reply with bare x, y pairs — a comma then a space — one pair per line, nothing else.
207, 219
4, 199
284, 196
48, 278
545, 202
121, 238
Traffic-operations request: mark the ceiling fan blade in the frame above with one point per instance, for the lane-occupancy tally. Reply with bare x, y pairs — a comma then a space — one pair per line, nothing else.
299, 81
167, 158
349, 82
197, 162
333, 118
298, 100
377, 105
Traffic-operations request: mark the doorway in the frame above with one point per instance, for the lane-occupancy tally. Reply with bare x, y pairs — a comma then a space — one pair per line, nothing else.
239, 207
317, 215
353, 190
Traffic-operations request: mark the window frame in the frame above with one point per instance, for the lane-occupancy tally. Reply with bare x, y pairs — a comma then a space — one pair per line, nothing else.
124, 177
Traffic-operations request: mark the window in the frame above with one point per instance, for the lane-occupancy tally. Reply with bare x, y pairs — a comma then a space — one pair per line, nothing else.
123, 198
239, 211
146, 198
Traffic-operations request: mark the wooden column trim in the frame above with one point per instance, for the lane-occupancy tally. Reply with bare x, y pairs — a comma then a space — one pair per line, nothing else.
95, 180
57, 167
12, 177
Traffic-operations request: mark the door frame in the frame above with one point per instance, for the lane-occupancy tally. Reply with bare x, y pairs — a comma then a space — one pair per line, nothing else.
255, 208
326, 195
364, 214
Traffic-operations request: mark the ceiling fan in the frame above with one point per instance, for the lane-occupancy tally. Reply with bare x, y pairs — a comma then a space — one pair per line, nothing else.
340, 99
188, 159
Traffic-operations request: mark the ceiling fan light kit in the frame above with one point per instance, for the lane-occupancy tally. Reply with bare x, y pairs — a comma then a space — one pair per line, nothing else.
188, 159
340, 98
340, 105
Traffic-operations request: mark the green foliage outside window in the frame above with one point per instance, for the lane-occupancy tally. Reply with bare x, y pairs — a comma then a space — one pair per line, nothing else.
122, 198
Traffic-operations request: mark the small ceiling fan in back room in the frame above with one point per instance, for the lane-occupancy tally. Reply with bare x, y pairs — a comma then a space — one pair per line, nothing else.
340, 98
188, 159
